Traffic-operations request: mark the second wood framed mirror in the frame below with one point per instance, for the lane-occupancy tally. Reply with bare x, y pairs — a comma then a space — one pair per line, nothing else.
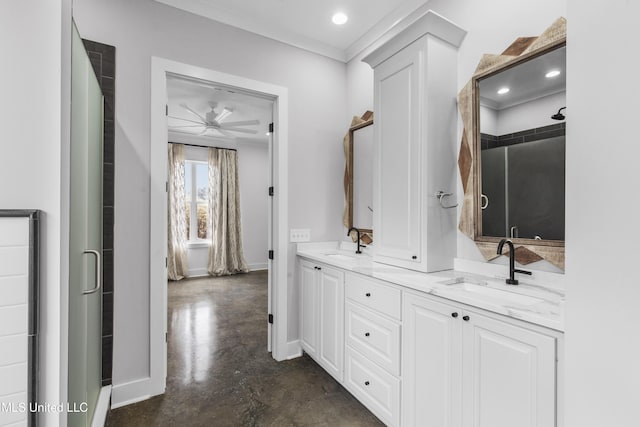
512, 153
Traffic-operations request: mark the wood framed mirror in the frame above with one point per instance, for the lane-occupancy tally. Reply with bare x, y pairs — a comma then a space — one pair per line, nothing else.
512, 152
358, 177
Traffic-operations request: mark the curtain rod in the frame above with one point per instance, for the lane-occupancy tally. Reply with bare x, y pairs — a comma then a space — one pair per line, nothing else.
203, 146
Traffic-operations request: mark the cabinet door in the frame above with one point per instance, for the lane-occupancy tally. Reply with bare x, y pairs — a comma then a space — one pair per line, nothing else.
509, 375
431, 362
398, 84
309, 304
331, 320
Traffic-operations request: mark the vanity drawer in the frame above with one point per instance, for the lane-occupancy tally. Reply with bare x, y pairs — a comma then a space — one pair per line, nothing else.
377, 389
373, 294
376, 337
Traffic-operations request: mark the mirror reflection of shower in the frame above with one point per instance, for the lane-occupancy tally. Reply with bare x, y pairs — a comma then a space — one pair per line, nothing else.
559, 115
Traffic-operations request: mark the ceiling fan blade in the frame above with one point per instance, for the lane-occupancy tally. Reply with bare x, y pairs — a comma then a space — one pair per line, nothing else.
186, 107
186, 120
225, 133
240, 123
187, 126
252, 131
184, 132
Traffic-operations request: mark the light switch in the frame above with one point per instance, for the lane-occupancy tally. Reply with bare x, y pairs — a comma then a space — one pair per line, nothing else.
299, 235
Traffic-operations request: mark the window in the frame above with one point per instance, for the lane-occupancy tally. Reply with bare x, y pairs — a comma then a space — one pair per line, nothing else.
197, 199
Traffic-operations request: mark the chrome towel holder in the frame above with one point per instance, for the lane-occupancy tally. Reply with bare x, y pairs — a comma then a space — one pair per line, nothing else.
442, 195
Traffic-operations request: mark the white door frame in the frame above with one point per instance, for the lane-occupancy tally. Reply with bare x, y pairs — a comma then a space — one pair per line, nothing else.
158, 219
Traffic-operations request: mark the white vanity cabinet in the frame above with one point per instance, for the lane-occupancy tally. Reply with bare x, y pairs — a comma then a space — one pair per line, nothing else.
372, 350
322, 315
465, 368
414, 132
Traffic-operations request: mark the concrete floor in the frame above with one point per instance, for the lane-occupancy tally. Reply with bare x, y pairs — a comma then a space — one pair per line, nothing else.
220, 374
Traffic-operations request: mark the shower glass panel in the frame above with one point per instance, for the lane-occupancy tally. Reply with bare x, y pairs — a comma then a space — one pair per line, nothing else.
85, 238
524, 184
494, 215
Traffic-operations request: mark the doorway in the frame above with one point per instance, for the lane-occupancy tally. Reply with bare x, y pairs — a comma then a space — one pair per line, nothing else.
278, 266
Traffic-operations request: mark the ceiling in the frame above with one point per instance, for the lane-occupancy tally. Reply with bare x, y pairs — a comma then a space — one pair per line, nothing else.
526, 81
302, 23
198, 95
307, 23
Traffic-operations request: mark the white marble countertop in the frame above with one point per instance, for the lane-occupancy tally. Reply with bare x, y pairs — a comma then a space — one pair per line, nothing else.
532, 303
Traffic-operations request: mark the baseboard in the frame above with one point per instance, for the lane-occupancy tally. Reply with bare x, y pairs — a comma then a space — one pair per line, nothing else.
132, 392
258, 266
102, 407
294, 349
202, 272
198, 272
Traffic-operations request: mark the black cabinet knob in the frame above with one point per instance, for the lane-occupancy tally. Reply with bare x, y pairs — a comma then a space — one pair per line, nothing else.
368, 294
465, 318
366, 383
454, 314
414, 257
366, 334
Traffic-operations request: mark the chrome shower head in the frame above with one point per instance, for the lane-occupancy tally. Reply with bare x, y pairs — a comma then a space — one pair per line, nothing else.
559, 115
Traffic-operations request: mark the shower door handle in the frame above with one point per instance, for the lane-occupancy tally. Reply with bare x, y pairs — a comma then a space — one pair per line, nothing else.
98, 278
485, 202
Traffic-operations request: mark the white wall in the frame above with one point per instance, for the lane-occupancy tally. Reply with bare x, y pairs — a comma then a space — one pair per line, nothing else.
603, 290
529, 115
318, 120
35, 43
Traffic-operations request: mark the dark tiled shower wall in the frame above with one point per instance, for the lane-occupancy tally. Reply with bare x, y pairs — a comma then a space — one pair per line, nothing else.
535, 134
103, 60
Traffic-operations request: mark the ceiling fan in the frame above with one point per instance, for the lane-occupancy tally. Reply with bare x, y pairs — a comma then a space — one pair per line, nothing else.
213, 121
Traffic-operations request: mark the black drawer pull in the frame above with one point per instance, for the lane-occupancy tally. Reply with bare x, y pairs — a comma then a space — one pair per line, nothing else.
454, 314
414, 257
465, 318
366, 383
366, 334
368, 294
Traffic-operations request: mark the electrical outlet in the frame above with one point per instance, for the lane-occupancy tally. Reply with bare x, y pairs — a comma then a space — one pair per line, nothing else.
300, 235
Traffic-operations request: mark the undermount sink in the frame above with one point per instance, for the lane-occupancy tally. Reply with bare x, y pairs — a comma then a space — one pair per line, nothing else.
480, 290
341, 257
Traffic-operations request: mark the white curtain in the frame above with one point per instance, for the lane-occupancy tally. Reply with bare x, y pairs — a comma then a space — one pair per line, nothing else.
225, 252
177, 267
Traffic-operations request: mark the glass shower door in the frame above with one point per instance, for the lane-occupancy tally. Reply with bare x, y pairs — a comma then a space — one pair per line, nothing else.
85, 238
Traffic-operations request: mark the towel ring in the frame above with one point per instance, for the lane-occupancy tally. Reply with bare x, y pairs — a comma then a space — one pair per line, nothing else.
441, 195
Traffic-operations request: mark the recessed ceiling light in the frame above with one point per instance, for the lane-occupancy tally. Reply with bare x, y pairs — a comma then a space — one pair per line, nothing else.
339, 18
552, 73
503, 90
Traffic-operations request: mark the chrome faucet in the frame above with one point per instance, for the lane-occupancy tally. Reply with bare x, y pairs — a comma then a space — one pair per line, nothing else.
512, 262
358, 251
